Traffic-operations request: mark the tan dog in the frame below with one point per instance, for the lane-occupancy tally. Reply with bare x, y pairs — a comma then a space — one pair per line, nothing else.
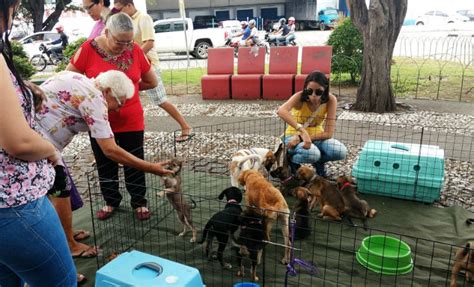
175, 196
463, 260
323, 192
269, 202
355, 207
260, 159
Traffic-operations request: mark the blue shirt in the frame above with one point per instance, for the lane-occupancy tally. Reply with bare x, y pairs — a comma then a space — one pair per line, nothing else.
246, 33
286, 30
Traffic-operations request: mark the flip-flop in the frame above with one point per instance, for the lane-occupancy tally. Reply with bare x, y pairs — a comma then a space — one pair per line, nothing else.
81, 234
86, 253
81, 279
184, 138
142, 214
103, 214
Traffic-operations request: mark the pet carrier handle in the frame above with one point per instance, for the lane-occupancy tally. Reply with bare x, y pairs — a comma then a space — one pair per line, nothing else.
151, 265
400, 146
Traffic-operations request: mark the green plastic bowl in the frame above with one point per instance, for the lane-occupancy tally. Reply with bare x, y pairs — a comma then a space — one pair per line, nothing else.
385, 254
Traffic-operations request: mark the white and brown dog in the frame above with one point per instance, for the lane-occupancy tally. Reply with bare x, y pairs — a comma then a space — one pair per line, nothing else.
260, 159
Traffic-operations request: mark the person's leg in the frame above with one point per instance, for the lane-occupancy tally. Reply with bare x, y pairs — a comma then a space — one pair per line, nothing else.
108, 176
134, 179
34, 246
289, 38
158, 97
299, 155
331, 150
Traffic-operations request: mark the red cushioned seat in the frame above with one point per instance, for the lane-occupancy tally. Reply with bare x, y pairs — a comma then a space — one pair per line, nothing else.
220, 67
314, 58
247, 84
278, 84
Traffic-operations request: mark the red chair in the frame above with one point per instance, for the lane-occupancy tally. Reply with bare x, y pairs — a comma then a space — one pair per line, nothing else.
314, 58
278, 84
247, 84
220, 67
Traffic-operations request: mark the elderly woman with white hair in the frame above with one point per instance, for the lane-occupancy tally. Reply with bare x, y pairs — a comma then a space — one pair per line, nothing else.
73, 103
115, 50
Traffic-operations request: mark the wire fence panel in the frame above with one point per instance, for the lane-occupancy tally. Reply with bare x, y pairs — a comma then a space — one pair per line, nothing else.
331, 255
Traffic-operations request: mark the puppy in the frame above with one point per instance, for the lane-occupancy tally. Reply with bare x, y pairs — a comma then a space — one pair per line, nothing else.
463, 260
355, 207
175, 196
251, 241
223, 223
303, 213
269, 202
287, 181
261, 159
322, 192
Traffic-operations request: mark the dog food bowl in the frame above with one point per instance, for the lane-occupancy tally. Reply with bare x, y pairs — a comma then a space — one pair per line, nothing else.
246, 284
385, 254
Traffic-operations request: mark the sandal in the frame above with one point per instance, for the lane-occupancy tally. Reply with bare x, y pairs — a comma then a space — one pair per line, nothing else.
142, 213
89, 252
105, 212
81, 279
185, 136
80, 234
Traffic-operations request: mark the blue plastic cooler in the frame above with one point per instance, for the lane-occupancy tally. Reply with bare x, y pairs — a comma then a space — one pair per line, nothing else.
139, 269
401, 170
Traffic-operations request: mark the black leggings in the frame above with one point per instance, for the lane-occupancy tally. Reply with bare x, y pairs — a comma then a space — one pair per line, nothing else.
108, 171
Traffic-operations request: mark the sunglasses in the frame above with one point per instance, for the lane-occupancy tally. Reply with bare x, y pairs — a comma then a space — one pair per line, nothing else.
309, 92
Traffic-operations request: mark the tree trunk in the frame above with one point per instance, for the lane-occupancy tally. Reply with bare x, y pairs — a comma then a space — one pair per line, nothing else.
54, 17
380, 26
36, 9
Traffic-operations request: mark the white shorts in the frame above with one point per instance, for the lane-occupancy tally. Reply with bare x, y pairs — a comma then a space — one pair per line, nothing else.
157, 95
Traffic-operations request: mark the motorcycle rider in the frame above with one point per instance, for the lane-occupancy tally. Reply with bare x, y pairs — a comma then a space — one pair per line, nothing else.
245, 33
63, 40
253, 37
285, 29
272, 36
291, 34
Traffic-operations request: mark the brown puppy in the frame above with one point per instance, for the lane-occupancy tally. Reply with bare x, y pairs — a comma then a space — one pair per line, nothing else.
463, 260
175, 196
329, 198
355, 207
270, 203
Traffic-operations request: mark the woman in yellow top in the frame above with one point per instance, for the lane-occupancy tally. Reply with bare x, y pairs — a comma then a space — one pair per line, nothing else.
311, 118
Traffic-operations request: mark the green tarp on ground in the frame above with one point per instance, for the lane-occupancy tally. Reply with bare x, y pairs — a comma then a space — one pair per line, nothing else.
431, 233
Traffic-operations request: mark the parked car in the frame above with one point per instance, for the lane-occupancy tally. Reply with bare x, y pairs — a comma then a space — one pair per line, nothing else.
169, 37
467, 13
436, 17
205, 21
32, 42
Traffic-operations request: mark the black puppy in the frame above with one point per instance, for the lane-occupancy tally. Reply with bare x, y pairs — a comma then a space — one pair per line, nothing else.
303, 213
223, 224
251, 241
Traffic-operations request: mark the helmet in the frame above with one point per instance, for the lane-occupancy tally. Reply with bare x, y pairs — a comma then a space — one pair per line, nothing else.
282, 21
244, 23
252, 22
291, 19
59, 28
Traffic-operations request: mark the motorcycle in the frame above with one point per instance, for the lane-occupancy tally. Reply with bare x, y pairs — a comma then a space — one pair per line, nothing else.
272, 40
46, 57
234, 42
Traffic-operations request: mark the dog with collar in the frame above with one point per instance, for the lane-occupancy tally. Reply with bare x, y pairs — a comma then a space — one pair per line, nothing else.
223, 224
463, 260
260, 159
264, 199
175, 196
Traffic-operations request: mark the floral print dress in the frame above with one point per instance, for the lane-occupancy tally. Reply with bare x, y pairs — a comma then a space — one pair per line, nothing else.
22, 182
73, 104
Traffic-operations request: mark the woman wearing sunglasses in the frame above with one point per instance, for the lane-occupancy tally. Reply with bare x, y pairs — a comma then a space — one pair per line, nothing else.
311, 118
115, 50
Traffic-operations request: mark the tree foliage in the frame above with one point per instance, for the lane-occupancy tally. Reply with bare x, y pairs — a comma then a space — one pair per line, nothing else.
70, 51
347, 46
21, 62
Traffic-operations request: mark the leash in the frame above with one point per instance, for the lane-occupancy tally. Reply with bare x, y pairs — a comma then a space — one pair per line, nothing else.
290, 268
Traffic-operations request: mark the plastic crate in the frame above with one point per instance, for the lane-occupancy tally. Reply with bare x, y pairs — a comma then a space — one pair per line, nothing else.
140, 269
401, 170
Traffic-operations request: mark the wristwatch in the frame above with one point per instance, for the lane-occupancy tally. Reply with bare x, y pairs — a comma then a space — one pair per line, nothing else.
299, 126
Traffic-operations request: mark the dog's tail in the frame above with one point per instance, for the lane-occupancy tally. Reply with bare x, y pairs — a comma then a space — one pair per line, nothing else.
246, 158
204, 233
